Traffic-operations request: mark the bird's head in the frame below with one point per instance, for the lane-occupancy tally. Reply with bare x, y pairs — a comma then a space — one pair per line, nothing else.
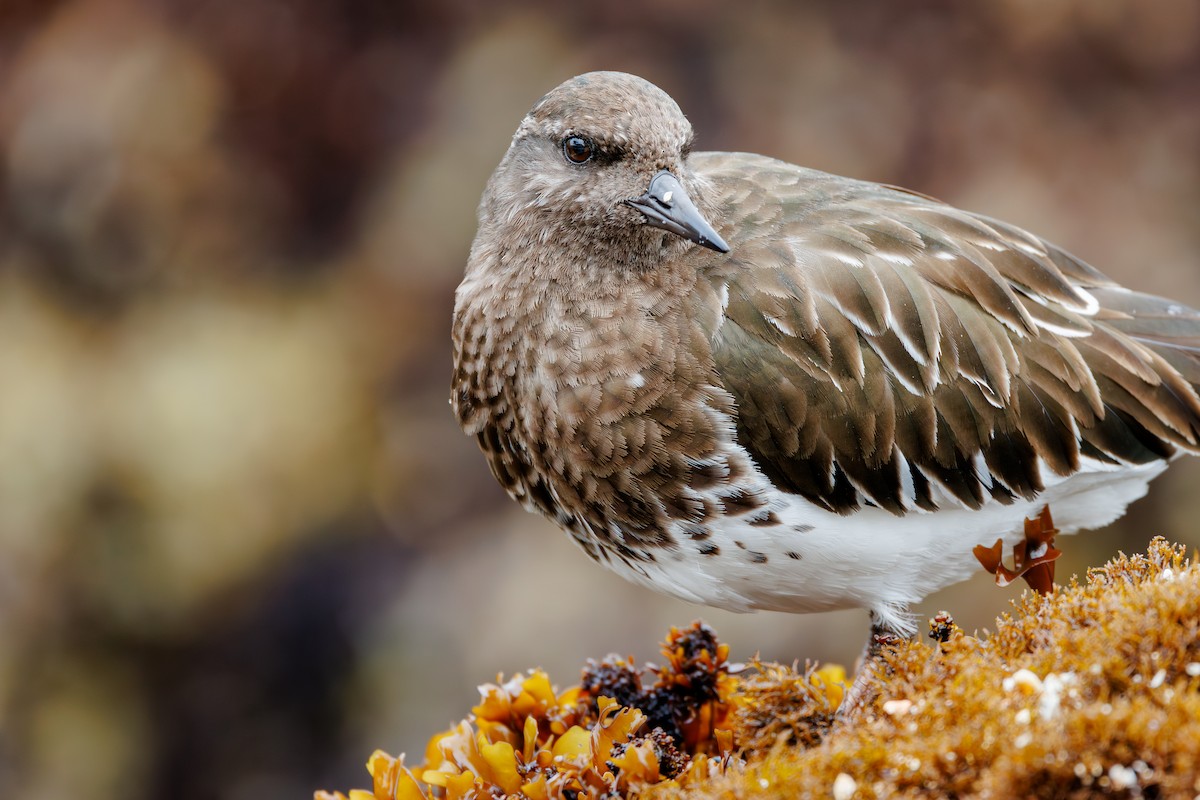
601, 163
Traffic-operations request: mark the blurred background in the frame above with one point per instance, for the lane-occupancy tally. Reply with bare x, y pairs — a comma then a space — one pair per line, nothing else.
242, 541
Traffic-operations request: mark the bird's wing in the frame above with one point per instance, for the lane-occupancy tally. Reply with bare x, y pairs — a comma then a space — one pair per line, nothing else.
884, 347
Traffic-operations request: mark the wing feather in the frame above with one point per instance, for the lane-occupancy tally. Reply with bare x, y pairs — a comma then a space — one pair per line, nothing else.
887, 348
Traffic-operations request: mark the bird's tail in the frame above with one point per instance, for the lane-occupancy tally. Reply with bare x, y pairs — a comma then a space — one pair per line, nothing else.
1168, 328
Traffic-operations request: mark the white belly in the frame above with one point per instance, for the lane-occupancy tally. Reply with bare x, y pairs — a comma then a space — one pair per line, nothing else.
817, 560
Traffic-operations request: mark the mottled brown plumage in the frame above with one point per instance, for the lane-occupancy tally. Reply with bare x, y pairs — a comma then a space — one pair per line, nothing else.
736, 423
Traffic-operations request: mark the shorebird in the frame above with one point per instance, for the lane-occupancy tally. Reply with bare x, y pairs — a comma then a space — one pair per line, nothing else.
753, 385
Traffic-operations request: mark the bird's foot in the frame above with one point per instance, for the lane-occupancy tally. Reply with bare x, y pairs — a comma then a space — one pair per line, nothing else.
871, 668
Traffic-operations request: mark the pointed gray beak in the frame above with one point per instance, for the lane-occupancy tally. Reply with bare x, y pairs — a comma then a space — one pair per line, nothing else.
666, 205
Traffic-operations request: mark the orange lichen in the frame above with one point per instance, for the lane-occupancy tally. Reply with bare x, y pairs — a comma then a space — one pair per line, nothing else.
1094, 689
610, 736
776, 706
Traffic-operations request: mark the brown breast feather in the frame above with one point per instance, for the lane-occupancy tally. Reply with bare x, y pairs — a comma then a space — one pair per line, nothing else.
605, 412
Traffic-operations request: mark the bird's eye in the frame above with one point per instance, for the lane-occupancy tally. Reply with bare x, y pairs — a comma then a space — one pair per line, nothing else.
578, 149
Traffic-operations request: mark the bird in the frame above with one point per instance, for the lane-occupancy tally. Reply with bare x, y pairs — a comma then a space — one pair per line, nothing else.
754, 385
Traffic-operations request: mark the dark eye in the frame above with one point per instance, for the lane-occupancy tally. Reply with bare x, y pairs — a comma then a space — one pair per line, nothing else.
578, 149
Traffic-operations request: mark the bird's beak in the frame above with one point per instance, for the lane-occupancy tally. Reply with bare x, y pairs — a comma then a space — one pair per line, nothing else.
666, 205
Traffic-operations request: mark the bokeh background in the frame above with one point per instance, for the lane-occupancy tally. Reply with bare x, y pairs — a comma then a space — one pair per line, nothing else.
242, 542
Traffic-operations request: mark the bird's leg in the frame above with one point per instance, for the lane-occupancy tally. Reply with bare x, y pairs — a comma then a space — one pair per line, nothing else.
870, 669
